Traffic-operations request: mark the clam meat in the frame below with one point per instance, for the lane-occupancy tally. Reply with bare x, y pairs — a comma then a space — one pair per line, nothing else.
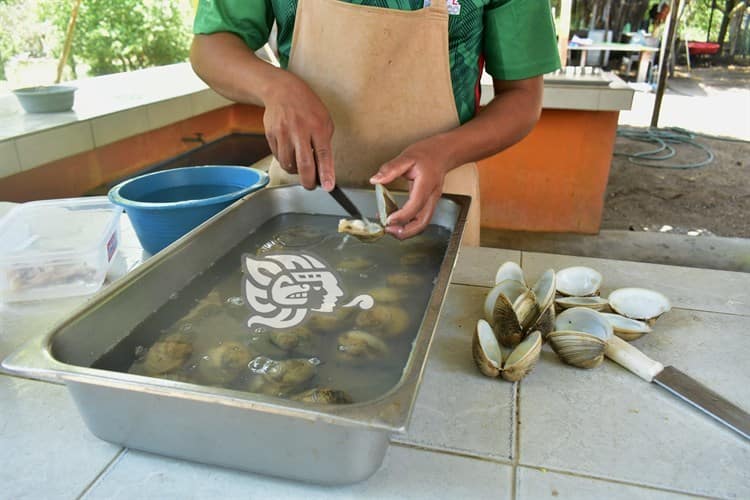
281, 378
323, 396
384, 320
297, 338
366, 230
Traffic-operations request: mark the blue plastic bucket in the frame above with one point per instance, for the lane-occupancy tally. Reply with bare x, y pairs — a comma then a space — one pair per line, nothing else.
165, 205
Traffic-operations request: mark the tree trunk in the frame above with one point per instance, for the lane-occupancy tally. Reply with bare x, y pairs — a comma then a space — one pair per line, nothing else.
726, 14
735, 26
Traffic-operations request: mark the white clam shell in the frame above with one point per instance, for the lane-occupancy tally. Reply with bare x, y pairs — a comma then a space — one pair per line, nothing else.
582, 319
578, 281
509, 271
626, 328
595, 303
512, 289
544, 289
487, 353
639, 303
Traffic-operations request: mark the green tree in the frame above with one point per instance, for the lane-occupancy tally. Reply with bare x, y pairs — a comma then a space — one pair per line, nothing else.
123, 35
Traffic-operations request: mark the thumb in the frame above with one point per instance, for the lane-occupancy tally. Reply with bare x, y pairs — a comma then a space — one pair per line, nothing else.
392, 170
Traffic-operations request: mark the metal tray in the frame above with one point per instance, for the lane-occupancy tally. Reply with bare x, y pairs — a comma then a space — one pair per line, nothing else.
333, 444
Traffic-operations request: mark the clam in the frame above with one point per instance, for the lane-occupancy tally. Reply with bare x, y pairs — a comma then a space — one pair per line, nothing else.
514, 311
386, 295
223, 363
578, 281
323, 396
357, 345
626, 328
291, 339
385, 320
166, 355
385, 203
366, 230
639, 303
322, 322
510, 271
594, 302
405, 279
492, 361
280, 378
580, 337
355, 264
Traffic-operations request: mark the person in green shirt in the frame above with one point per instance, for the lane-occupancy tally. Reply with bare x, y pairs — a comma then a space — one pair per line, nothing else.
513, 39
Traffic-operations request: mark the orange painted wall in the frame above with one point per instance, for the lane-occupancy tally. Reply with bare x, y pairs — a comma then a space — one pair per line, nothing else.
77, 174
553, 180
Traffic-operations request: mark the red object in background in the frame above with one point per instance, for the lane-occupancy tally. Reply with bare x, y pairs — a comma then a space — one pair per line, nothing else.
697, 48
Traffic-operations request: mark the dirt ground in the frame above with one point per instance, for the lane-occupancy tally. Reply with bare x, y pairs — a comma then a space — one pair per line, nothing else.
714, 199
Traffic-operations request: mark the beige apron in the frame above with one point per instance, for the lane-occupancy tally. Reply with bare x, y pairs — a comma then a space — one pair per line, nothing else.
384, 76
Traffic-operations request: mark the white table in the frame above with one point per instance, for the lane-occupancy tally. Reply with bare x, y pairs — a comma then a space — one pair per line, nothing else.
646, 54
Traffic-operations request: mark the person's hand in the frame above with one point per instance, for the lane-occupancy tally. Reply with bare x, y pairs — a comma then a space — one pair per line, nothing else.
299, 130
425, 171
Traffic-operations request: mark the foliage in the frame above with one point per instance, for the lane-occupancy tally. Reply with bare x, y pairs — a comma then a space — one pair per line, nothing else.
124, 35
29, 36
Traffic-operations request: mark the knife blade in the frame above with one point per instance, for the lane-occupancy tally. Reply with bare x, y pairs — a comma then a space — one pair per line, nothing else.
345, 202
680, 385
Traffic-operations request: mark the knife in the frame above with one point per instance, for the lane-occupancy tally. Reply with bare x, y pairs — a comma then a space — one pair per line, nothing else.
679, 384
345, 202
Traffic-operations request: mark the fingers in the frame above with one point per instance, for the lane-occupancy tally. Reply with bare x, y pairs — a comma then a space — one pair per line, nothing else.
306, 164
324, 160
286, 154
419, 223
392, 170
419, 195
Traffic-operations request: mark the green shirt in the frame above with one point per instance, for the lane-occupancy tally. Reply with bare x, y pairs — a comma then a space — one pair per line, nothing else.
514, 38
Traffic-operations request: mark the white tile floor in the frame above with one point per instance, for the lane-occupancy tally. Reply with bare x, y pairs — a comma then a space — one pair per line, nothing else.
560, 433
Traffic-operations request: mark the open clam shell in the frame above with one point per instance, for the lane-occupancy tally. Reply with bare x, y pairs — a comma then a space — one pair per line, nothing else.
544, 289
511, 289
385, 203
491, 360
510, 271
487, 353
626, 328
639, 303
580, 337
523, 358
578, 281
363, 230
595, 303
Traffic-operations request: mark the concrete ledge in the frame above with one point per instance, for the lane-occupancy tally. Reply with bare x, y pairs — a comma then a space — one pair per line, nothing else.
709, 252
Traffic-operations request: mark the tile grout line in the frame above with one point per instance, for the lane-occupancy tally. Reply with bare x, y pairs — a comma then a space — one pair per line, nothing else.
611, 480
515, 438
451, 452
112, 463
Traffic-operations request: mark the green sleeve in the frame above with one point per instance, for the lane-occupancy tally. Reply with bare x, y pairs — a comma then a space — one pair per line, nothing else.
251, 20
519, 39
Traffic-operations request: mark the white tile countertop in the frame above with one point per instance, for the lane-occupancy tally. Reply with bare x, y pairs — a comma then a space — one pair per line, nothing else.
559, 433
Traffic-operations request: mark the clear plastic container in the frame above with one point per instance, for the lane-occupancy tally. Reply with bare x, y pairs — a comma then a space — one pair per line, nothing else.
57, 248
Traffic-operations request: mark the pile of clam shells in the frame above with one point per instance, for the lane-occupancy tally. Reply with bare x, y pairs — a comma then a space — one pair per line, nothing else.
563, 308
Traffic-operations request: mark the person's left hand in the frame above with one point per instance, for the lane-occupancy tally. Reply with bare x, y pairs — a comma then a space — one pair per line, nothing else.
425, 171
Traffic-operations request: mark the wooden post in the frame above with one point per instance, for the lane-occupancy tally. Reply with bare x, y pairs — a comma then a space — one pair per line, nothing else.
664, 59
68, 40
563, 31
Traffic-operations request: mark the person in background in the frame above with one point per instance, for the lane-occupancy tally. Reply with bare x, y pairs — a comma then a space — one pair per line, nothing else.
383, 91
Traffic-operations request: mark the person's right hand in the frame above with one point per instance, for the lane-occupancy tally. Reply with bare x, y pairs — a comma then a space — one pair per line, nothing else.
299, 130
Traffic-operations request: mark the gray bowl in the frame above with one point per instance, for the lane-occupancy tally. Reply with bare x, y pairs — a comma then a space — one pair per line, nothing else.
47, 99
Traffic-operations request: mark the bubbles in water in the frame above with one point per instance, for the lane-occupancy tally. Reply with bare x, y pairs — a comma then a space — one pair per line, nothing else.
174, 296
235, 301
315, 361
260, 329
186, 327
261, 364
204, 357
140, 351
